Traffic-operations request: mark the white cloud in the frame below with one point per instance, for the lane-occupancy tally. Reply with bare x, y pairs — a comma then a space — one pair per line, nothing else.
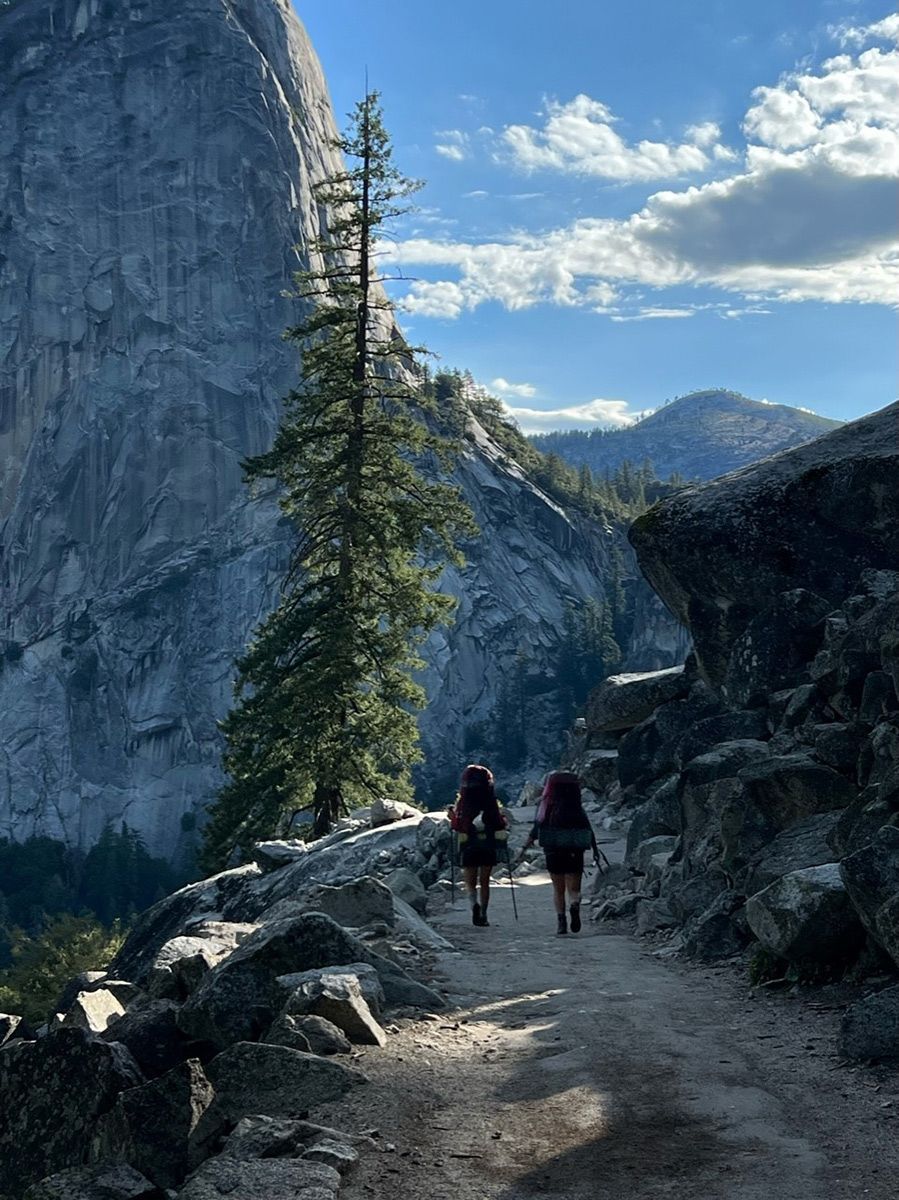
523, 390
578, 137
655, 314
596, 414
477, 194
886, 30
812, 216
454, 144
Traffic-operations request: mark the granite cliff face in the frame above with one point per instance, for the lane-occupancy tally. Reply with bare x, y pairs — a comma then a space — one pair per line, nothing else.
156, 166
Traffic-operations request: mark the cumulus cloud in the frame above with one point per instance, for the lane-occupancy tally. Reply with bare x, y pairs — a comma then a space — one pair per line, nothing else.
523, 390
454, 144
811, 216
579, 137
596, 414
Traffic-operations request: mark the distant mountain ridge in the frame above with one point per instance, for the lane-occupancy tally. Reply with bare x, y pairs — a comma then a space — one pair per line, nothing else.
699, 436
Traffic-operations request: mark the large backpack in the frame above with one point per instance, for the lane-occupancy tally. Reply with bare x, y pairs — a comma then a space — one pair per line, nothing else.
565, 825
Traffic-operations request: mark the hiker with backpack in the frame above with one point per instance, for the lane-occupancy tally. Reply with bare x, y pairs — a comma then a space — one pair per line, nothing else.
481, 831
564, 832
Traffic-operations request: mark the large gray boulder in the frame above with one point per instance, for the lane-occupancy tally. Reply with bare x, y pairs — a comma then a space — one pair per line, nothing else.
807, 918
108, 1181
871, 876
93, 1011
717, 553
156, 1127
150, 1031
262, 1179
337, 997
241, 997
274, 1081
407, 885
805, 844
181, 963
52, 1094
869, 1029
364, 973
650, 750
623, 701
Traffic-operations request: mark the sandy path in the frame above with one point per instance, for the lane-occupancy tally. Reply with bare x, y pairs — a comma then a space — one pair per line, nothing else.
585, 1067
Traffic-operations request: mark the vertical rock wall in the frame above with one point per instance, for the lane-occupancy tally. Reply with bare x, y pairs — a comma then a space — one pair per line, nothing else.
156, 166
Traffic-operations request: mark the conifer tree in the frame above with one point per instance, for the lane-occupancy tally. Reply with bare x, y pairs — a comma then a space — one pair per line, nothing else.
325, 698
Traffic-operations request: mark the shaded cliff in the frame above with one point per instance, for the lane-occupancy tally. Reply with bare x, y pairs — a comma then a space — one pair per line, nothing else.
155, 199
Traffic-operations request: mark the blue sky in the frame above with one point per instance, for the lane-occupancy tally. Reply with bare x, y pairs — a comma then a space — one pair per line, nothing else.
627, 202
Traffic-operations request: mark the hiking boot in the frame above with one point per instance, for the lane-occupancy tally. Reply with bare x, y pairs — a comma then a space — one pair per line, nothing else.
476, 914
575, 918
562, 927
483, 918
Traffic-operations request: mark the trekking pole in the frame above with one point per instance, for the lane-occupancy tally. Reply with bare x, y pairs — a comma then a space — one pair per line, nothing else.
511, 882
453, 867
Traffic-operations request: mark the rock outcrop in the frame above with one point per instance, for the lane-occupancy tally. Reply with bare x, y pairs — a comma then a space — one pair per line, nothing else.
776, 776
156, 171
183, 1094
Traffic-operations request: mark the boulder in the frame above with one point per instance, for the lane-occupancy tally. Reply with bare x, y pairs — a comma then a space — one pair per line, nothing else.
52, 1093
876, 806
878, 697
312, 1034
694, 896
618, 906
108, 1181
838, 746
813, 518
805, 844
408, 886
338, 998
333, 1153
721, 931
241, 997
724, 761
655, 818
181, 964
86, 981
730, 727
385, 812
93, 1011
869, 1029
281, 1137
653, 916
365, 973
623, 701
156, 1127
598, 770
871, 875
9, 1025
274, 1081
363, 901
261, 1179
150, 1032
641, 858
807, 918
271, 856
650, 750
887, 924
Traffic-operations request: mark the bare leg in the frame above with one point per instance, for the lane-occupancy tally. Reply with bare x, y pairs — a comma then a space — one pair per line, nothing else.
558, 882
485, 887
470, 875
573, 886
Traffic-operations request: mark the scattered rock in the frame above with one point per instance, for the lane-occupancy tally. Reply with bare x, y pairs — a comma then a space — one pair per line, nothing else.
310, 1033
807, 918
108, 1181
275, 1081
870, 1028
261, 1179
52, 1093
157, 1127
334, 1154
338, 998
93, 1011
641, 858
181, 965
365, 974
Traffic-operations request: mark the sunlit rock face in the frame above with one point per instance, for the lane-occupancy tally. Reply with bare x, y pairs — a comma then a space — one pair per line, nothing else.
156, 170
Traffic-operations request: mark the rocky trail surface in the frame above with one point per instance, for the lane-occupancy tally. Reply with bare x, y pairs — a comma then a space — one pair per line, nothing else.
588, 1067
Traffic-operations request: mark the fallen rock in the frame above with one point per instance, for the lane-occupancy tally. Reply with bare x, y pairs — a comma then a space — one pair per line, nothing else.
871, 876
255, 1078
338, 998
312, 1034
805, 844
365, 973
9, 1024
271, 856
385, 812
93, 1011
108, 1181
181, 964
261, 1179
239, 999
623, 701
408, 887
618, 906
52, 1093
333, 1153
85, 981
807, 918
156, 1127
869, 1029
150, 1031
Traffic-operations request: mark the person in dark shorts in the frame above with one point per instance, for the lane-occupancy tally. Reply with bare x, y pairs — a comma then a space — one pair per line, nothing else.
564, 832
480, 826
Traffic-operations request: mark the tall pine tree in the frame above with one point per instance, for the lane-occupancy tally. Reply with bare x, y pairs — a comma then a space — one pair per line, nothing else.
325, 698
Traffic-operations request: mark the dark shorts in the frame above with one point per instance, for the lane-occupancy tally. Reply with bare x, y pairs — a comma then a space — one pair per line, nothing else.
564, 862
478, 854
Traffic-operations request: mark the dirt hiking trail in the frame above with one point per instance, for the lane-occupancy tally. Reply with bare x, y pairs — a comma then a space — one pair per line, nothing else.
586, 1067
